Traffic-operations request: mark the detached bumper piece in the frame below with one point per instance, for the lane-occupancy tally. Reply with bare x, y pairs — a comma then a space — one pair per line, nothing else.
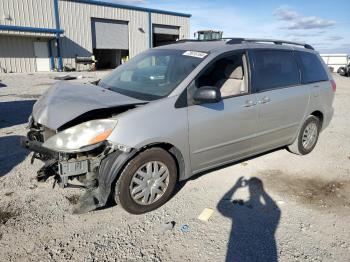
41, 152
110, 168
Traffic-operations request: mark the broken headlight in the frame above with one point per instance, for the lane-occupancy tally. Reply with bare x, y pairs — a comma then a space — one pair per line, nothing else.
82, 135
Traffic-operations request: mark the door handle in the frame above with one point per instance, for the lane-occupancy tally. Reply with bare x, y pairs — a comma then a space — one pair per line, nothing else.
264, 100
249, 103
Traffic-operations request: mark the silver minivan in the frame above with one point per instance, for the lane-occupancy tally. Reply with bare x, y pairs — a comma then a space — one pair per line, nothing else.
175, 111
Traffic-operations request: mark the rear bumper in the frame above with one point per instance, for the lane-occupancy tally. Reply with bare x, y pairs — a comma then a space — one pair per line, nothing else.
328, 117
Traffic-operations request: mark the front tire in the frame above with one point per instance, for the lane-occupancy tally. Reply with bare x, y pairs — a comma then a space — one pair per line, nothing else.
307, 136
147, 181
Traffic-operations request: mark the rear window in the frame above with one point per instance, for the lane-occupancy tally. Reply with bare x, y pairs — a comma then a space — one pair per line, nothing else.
274, 69
311, 68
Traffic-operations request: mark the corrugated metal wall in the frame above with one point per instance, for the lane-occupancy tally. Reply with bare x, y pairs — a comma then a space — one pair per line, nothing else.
77, 38
182, 22
16, 48
17, 54
75, 20
32, 13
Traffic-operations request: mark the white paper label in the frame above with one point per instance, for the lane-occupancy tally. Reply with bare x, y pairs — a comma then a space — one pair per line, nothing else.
195, 54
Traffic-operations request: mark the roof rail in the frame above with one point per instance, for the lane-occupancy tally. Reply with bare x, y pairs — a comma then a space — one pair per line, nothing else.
237, 40
195, 40
276, 42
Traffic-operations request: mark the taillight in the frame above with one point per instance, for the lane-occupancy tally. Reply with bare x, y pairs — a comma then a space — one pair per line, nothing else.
334, 85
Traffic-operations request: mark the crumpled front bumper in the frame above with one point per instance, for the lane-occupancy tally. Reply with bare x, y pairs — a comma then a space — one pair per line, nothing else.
37, 147
63, 166
100, 171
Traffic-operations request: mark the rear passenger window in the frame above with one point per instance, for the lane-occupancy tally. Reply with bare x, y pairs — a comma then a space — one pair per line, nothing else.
274, 69
311, 68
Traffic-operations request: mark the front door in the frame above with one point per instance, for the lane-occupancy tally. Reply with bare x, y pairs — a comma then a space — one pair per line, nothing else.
221, 132
41, 51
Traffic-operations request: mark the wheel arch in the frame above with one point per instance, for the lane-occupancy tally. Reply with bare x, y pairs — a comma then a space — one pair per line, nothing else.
319, 115
174, 152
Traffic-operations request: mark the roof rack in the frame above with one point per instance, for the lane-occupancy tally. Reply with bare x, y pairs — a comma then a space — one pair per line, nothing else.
195, 40
236, 40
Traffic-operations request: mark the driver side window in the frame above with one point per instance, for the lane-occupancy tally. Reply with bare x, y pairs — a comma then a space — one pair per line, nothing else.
227, 74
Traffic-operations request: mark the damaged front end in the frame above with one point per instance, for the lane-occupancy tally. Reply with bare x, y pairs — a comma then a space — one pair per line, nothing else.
77, 157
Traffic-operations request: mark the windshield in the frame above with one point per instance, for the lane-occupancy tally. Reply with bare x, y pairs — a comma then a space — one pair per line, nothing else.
152, 74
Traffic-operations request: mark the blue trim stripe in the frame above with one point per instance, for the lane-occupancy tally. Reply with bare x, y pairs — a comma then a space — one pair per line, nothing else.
56, 12
137, 8
58, 43
52, 61
31, 29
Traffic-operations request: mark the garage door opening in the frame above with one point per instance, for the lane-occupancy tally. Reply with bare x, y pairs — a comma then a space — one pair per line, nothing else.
110, 41
165, 34
110, 58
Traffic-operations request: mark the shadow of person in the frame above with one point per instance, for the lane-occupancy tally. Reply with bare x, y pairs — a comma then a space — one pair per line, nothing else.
254, 223
11, 153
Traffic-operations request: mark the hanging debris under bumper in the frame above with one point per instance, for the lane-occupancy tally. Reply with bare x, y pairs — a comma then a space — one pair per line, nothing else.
96, 169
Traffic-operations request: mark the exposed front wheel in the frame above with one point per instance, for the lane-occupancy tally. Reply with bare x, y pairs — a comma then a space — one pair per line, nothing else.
147, 181
307, 137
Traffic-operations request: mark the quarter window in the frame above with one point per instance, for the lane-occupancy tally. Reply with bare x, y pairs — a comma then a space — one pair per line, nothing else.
274, 69
311, 68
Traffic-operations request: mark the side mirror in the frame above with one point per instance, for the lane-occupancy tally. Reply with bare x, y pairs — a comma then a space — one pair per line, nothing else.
207, 94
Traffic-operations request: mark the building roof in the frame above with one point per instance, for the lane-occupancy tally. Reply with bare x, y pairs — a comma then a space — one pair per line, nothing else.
334, 55
130, 7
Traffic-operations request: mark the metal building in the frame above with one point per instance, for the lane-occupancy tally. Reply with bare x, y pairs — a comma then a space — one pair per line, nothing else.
334, 61
46, 35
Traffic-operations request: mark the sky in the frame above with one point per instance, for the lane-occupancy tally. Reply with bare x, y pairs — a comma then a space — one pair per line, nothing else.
324, 24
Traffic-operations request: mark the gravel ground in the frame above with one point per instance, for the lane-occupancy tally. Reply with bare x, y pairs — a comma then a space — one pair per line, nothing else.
290, 208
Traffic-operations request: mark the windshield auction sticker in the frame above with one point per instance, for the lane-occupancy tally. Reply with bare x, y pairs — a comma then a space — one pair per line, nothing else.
195, 54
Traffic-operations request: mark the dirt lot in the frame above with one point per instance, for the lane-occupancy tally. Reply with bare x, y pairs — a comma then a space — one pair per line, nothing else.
292, 208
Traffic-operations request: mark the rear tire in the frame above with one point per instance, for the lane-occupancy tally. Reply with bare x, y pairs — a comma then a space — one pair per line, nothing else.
307, 136
342, 71
147, 181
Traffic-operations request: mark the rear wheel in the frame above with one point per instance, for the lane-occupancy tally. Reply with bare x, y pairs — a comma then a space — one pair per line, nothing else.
342, 71
307, 136
147, 181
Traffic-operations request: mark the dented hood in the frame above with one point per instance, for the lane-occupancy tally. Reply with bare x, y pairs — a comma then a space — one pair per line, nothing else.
64, 102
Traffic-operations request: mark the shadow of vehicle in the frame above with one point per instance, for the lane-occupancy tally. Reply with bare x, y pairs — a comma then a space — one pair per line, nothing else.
254, 223
11, 153
2, 84
15, 112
